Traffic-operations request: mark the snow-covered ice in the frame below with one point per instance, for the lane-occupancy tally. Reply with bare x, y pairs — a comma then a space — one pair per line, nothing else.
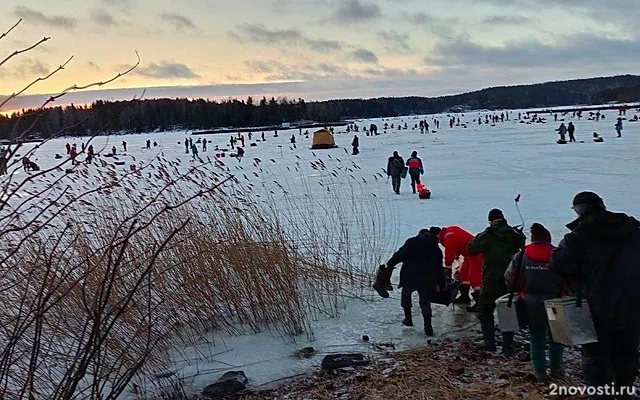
469, 171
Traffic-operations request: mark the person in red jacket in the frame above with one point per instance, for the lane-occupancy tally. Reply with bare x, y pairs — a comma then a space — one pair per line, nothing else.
455, 240
530, 276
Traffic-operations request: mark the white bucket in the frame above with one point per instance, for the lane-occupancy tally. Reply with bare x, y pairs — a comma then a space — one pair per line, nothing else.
507, 316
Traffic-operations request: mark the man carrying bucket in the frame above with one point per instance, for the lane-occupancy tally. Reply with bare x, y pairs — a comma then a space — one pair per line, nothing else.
602, 252
497, 244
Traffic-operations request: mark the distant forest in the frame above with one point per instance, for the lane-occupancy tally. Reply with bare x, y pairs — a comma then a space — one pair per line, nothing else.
104, 117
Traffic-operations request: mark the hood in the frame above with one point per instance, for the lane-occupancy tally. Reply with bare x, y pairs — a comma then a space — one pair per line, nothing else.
605, 225
427, 238
539, 252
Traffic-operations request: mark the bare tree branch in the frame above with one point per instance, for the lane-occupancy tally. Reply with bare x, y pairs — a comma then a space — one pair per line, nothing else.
10, 29
40, 79
18, 52
90, 85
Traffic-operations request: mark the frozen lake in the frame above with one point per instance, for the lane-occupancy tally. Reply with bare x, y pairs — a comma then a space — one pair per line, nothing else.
469, 171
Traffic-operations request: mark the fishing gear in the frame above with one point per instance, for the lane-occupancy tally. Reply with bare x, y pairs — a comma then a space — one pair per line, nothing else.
517, 200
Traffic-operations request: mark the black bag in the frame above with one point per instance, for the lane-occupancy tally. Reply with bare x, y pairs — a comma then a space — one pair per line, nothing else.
382, 284
447, 296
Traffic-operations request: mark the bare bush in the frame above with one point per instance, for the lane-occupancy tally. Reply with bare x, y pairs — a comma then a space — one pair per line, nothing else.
104, 272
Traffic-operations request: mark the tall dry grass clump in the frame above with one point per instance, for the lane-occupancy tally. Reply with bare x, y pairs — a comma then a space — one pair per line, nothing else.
105, 271
124, 267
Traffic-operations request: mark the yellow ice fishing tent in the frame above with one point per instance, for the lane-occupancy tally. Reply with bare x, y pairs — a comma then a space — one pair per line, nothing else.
322, 139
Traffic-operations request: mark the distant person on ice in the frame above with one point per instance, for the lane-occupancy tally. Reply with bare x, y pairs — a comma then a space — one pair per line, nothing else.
497, 244
571, 129
421, 271
395, 164
124, 146
562, 131
619, 127
73, 155
415, 170
597, 138
355, 144
194, 151
204, 145
530, 276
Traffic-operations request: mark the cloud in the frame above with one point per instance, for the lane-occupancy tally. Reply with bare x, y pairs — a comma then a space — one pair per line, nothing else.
292, 37
179, 22
93, 65
576, 50
395, 41
442, 27
507, 20
260, 66
55, 21
102, 17
28, 68
356, 10
167, 70
364, 55
276, 71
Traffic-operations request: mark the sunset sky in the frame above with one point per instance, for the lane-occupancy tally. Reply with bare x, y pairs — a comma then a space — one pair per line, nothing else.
316, 49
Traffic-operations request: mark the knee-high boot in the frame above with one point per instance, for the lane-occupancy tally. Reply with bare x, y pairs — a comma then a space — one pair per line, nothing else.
488, 336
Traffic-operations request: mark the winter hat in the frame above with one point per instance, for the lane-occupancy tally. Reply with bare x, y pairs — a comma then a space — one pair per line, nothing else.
395, 154
435, 230
585, 202
414, 154
540, 234
495, 214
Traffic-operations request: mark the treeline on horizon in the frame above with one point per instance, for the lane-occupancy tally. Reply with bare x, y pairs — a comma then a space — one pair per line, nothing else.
147, 115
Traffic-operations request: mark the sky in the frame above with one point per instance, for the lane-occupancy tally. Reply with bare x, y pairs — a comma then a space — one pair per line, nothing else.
314, 49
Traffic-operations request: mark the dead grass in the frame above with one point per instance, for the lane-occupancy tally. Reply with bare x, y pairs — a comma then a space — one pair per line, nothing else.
107, 283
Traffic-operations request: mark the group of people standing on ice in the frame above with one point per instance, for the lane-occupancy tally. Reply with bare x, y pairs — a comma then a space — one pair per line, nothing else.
396, 168
570, 129
599, 257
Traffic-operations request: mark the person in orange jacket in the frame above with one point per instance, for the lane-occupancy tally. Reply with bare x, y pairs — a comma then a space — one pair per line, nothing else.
455, 240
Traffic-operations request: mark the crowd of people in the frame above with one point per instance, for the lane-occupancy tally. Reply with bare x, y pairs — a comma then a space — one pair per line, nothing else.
600, 247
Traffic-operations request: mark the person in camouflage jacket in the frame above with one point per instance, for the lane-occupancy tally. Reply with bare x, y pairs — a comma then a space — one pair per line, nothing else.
498, 244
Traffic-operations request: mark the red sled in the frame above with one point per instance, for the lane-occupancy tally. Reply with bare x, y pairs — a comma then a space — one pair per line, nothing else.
423, 192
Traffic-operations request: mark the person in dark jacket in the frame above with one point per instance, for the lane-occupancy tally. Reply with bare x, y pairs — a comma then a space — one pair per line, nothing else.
395, 164
562, 131
355, 143
421, 271
571, 129
601, 247
415, 170
529, 275
619, 127
498, 243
